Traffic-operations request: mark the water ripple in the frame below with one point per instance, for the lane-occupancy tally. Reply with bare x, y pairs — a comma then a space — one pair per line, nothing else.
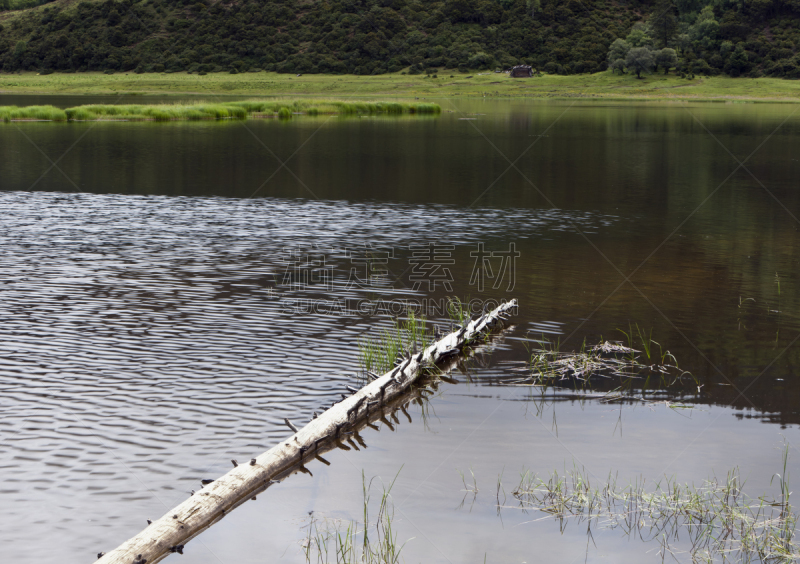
141, 334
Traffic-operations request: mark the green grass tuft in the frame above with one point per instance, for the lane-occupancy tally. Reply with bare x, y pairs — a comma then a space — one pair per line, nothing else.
380, 354
719, 522
282, 109
49, 113
353, 542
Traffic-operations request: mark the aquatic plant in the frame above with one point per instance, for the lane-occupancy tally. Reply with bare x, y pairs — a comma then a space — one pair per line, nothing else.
416, 331
30, 113
343, 107
350, 542
458, 310
283, 109
156, 112
717, 518
380, 354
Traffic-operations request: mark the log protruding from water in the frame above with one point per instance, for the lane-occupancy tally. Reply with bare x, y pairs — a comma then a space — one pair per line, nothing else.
334, 426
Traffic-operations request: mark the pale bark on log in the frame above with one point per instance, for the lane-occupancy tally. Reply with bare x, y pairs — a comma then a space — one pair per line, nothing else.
330, 430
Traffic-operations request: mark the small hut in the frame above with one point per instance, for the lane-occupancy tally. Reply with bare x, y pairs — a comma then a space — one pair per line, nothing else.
521, 71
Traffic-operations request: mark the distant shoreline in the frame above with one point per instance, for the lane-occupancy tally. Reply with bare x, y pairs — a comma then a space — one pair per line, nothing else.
604, 85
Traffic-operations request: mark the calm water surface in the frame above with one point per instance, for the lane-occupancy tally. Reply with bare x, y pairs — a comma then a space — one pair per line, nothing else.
150, 332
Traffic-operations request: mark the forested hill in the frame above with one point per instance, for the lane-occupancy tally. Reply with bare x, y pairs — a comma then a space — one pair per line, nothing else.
750, 37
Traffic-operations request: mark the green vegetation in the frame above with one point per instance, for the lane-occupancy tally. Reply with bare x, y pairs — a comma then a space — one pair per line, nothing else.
283, 109
638, 60
219, 86
457, 310
699, 37
380, 354
350, 543
608, 361
716, 519
362, 37
370, 37
8, 113
161, 112
20, 4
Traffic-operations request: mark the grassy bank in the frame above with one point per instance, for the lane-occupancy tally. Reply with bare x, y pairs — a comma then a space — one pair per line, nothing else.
599, 85
283, 109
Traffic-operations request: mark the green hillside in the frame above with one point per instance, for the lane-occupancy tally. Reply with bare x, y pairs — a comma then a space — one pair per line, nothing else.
365, 37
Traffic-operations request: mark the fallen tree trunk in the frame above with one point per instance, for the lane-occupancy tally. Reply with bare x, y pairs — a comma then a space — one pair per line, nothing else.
331, 429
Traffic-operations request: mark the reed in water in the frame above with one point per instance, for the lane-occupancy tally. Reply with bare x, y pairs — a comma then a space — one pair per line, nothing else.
276, 108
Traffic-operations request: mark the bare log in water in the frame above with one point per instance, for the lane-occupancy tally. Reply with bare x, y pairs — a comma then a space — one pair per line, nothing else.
332, 429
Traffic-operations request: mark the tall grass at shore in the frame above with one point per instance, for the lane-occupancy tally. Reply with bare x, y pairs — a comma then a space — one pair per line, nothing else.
282, 109
317, 107
30, 113
160, 112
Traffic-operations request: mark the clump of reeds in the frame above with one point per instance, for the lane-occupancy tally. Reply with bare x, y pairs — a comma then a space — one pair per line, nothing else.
351, 542
288, 108
283, 109
717, 518
416, 331
31, 113
156, 112
380, 354
457, 310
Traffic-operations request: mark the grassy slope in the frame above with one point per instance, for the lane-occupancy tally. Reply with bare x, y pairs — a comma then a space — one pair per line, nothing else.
600, 85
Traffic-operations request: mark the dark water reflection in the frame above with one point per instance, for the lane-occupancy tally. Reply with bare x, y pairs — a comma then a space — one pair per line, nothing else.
147, 335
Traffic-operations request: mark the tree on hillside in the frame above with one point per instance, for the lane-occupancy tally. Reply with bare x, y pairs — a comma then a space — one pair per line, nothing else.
688, 6
705, 28
737, 62
663, 21
683, 42
639, 60
639, 36
618, 65
618, 50
725, 49
666, 58
616, 55
533, 7
700, 66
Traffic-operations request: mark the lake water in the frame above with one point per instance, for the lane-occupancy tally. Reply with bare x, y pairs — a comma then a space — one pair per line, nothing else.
169, 292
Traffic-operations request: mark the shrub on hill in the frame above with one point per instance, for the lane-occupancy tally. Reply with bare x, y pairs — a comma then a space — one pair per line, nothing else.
712, 37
